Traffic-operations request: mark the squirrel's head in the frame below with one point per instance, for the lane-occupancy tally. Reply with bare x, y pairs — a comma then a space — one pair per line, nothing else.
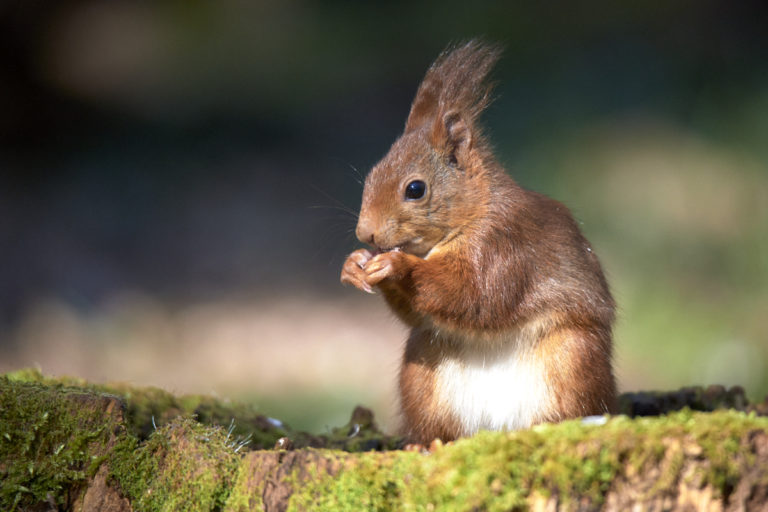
433, 181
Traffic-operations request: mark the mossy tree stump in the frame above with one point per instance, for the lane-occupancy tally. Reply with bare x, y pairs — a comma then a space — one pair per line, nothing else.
67, 445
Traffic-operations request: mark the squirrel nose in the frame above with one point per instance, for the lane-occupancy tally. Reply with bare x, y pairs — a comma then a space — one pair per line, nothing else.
364, 231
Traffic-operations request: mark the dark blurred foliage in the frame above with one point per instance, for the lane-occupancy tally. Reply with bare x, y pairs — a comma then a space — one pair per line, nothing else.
198, 149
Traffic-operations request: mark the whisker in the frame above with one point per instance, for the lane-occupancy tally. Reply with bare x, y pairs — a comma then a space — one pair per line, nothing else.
339, 204
333, 207
360, 178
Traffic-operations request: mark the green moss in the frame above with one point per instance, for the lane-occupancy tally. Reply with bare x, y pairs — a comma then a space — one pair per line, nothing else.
574, 460
500, 471
150, 407
51, 442
369, 481
54, 436
182, 466
244, 496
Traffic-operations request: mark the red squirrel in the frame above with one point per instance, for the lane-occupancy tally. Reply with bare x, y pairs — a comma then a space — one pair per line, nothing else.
509, 310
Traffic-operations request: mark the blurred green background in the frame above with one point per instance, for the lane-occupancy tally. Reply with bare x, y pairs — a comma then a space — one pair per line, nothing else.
174, 180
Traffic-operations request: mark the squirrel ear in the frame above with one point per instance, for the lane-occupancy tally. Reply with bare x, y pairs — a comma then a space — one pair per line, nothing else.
452, 133
423, 107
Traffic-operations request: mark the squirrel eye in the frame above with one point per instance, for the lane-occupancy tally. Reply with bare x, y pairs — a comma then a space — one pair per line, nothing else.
415, 189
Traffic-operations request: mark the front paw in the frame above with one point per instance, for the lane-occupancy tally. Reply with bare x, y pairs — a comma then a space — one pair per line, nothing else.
353, 270
387, 265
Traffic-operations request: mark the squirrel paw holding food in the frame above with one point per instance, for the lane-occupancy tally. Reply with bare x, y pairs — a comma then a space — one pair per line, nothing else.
509, 312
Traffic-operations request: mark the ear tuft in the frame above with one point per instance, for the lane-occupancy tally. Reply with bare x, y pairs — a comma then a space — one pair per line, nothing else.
456, 81
450, 99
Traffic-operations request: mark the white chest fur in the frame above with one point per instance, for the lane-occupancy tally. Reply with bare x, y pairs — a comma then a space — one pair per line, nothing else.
505, 390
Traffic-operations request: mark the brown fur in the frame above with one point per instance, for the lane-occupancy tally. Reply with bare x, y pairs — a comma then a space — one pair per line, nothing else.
478, 256
417, 384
